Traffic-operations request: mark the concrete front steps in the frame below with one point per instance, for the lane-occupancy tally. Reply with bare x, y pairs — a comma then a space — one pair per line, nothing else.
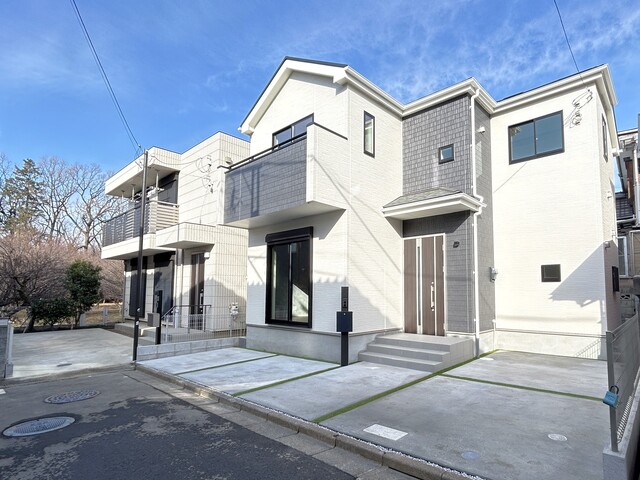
418, 352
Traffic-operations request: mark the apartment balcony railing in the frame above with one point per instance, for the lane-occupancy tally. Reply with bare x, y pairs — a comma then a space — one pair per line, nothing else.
126, 226
307, 175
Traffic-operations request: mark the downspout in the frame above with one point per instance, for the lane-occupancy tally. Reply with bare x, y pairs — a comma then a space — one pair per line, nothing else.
476, 277
636, 190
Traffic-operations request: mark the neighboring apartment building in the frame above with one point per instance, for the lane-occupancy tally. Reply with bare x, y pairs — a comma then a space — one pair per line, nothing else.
453, 215
193, 266
627, 208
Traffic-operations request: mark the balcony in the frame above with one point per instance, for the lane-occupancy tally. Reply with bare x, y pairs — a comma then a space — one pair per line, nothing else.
119, 233
306, 176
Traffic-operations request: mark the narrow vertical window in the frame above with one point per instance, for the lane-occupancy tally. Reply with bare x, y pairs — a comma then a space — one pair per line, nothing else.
604, 138
369, 134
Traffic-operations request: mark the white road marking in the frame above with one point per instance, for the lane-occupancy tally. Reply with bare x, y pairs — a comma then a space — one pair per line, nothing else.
385, 432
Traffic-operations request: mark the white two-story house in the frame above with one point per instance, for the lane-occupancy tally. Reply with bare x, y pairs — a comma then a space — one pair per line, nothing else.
193, 266
455, 215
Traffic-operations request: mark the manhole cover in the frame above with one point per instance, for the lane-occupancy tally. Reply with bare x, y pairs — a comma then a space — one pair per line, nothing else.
470, 455
35, 427
71, 396
557, 437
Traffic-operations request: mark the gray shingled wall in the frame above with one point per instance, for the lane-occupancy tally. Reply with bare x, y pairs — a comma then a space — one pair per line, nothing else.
270, 184
423, 134
485, 221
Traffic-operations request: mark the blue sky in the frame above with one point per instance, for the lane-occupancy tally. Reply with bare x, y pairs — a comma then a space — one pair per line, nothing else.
183, 70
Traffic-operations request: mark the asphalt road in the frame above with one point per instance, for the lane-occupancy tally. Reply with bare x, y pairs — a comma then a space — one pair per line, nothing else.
134, 430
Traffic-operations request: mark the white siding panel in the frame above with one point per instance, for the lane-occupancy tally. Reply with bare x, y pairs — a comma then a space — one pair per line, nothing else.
548, 211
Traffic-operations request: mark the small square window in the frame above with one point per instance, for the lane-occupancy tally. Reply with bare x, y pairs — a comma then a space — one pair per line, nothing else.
445, 154
551, 273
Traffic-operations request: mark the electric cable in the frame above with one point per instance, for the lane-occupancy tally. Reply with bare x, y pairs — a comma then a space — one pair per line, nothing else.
566, 37
105, 78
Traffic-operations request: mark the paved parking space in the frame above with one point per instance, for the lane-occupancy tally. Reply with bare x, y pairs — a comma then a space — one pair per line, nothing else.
488, 430
203, 360
547, 372
257, 373
318, 395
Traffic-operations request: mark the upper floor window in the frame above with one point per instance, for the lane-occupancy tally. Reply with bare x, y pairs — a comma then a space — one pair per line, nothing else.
294, 130
369, 134
536, 138
604, 138
445, 154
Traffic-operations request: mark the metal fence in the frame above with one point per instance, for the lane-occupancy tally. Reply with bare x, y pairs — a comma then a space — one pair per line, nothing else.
184, 323
623, 362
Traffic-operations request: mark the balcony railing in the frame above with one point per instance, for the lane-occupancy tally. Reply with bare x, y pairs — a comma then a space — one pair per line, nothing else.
126, 226
307, 175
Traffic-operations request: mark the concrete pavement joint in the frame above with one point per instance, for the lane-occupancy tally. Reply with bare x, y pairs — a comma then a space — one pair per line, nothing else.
251, 390
224, 365
401, 462
522, 387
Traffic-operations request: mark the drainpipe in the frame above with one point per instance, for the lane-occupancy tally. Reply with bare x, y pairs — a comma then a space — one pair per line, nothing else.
636, 191
476, 285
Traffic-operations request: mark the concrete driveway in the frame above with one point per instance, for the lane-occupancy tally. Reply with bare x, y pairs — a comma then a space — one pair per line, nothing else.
509, 415
50, 353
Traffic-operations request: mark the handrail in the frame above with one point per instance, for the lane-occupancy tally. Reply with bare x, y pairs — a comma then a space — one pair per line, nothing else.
266, 152
284, 144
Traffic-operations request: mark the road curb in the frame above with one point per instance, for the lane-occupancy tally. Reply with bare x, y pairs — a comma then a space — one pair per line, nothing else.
401, 462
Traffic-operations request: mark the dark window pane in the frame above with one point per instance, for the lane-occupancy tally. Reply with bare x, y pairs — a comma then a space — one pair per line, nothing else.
522, 141
281, 137
279, 282
549, 134
300, 127
446, 153
369, 132
300, 287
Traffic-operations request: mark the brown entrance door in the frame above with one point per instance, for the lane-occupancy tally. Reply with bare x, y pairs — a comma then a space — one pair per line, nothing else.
424, 285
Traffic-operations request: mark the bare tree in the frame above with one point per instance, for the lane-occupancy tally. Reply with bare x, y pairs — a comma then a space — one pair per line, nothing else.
57, 189
90, 207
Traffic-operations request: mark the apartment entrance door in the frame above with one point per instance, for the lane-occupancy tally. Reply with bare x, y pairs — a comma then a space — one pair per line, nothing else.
424, 285
196, 292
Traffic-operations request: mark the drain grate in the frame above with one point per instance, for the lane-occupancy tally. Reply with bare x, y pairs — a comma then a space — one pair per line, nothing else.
72, 396
35, 427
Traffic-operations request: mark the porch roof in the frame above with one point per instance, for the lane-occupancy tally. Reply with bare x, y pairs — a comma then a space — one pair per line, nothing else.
429, 203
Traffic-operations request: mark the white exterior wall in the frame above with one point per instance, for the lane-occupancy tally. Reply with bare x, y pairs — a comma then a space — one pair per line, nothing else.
201, 182
358, 248
329, 268
549, 211
374, 242
302, 95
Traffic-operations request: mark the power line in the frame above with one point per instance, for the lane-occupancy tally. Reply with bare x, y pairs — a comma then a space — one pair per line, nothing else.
114, 99
566, 37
